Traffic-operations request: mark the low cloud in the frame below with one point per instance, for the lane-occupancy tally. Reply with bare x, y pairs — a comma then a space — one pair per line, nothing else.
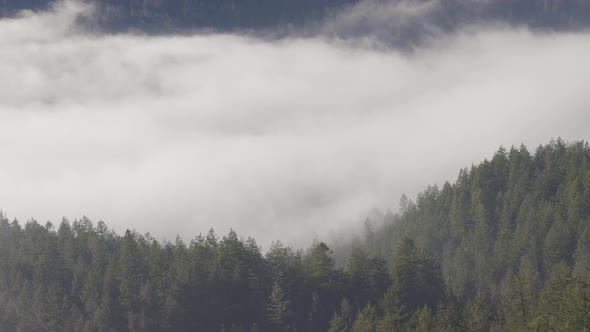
289, 139
399, 23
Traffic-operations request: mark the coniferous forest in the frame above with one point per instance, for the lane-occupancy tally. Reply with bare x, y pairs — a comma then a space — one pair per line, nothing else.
506, 247
156, 16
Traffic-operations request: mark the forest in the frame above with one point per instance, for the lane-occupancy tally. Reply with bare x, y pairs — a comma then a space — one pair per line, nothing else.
506, 247
158, 16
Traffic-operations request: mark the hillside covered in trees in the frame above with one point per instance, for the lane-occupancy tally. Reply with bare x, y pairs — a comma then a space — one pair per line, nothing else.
512, 237
504, 248
156, 16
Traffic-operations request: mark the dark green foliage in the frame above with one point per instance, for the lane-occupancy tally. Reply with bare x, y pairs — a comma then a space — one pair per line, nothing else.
83, 277
511, 236
366, 320
368, 277
505, 248
417, 280
422, 320
478, 313
449, 318
278, 309
86, 278
337, 324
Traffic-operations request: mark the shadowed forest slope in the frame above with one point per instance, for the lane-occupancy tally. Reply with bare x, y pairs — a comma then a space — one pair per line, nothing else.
156, 16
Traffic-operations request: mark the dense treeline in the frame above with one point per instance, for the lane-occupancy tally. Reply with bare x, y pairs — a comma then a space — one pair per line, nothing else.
512, 236
81, 277
159, 15
504, 248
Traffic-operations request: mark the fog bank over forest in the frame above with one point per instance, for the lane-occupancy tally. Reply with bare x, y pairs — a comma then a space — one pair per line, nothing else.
286, 139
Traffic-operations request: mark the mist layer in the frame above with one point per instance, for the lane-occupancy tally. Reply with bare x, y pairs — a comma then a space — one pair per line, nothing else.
289, 139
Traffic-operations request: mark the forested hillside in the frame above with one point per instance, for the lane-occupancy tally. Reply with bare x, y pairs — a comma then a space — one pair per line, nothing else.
504, 248
512, 236
81, 277
161, 16
158, 15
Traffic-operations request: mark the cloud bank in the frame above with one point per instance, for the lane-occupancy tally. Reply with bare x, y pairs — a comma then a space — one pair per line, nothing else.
289, 139
400, 23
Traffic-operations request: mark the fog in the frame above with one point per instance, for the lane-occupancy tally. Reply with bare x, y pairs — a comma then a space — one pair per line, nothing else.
290, 139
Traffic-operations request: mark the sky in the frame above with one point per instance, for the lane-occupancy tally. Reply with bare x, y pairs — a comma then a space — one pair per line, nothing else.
290, 139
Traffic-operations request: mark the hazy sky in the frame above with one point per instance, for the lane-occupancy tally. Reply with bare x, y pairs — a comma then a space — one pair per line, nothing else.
290, 139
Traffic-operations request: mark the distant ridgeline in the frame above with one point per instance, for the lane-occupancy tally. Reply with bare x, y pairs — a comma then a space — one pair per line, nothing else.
168, 15
226, 15
504, 248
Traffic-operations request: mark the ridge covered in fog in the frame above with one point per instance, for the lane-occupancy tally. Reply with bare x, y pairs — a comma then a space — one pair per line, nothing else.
396, 22
287, 139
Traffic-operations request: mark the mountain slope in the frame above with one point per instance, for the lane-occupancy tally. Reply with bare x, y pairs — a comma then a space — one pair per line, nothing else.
227, 15
504, 248
507, 230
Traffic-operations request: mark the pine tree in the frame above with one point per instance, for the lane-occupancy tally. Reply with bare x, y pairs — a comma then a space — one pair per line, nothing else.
449, 318
337, 324
478, 313
366, 320
417, 280
346, 312
394, 312
550, 309
278, 308
422, 320
517, 301
358, 270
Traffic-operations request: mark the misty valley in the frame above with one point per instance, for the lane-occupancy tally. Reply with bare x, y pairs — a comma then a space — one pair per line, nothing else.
504, 247
294, 165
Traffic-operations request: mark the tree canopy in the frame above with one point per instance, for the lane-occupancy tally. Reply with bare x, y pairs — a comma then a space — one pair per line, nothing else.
504, 248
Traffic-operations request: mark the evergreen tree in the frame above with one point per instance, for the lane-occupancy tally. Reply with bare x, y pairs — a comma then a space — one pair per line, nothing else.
337, 324
478, 314
278, 308
417, 281
366, 320
422, 320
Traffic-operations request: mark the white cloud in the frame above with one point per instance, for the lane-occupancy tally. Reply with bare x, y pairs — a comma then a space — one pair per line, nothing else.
280, 140
388, 20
